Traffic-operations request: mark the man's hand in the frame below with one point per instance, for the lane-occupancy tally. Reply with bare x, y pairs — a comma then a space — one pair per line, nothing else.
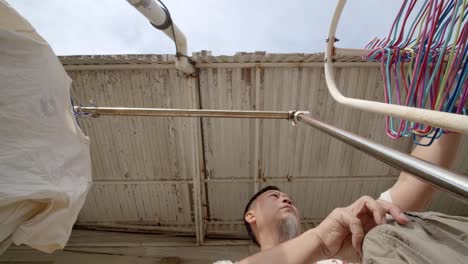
341, 234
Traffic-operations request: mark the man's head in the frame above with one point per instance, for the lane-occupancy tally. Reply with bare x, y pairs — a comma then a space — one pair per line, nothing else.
271, 210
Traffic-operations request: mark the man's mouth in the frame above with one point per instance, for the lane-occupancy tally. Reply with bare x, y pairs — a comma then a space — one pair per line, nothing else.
287, 207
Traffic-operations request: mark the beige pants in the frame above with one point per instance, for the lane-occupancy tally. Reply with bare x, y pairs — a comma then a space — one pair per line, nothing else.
429, 237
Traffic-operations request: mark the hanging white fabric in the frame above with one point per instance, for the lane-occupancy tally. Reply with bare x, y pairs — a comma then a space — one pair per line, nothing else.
45, 165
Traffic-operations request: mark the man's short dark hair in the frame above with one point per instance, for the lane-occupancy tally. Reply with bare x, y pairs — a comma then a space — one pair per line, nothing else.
247, 207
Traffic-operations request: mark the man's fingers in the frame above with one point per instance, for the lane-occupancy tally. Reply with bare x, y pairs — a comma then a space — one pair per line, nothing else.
399, 216
380, 208
377, 210
357, 236
396, 213
356, 229
365, 211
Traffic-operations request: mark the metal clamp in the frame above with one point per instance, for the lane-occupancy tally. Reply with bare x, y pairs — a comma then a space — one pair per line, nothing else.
334, 39
294, 114
78, 110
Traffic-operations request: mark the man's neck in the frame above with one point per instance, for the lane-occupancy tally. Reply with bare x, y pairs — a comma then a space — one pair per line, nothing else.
269, 239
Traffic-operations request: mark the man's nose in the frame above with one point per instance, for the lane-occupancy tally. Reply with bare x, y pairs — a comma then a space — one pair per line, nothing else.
287, 200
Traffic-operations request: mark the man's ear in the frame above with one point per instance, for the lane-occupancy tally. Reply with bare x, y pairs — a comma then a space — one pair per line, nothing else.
250, 217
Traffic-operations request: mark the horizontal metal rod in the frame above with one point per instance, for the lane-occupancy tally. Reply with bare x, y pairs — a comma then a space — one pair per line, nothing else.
441, 178
451, 182
163, 112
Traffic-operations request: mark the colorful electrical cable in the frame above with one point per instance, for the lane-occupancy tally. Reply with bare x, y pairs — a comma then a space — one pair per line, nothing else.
424, 63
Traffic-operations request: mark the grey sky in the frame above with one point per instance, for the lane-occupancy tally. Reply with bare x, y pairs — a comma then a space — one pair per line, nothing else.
114, 27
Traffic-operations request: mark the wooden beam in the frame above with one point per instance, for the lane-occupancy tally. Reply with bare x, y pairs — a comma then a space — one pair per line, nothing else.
271, 178
215, 65
160, 247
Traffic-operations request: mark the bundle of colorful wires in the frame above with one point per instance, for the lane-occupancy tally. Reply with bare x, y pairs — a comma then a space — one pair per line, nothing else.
424, 63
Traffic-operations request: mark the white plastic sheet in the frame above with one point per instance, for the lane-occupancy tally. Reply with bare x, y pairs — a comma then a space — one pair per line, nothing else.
45, 165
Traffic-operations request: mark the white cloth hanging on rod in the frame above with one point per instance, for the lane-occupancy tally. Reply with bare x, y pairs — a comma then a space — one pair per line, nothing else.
45, 165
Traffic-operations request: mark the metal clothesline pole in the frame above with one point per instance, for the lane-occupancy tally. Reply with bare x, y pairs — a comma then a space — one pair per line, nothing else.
441, 178
163, 112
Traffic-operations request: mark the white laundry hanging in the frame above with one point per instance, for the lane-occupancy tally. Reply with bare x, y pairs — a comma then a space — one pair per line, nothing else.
45, 165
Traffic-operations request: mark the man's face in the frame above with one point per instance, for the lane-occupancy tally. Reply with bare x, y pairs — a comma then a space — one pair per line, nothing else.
274, 208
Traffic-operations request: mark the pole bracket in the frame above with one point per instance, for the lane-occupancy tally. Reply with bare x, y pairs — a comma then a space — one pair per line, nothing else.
294, 114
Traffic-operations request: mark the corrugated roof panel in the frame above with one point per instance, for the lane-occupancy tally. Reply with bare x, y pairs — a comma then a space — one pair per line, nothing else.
203, 57
229, 143
138, 147
227, 200
117, 59
131, 155
317, 57
156, 204
241, 57
303, 151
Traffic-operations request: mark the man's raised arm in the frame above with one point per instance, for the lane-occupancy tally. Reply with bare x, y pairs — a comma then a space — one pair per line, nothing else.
412, 194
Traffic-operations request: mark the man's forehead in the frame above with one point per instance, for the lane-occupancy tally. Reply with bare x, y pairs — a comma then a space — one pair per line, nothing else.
265, 194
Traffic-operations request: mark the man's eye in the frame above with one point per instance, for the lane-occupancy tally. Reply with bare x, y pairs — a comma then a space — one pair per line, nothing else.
275, 195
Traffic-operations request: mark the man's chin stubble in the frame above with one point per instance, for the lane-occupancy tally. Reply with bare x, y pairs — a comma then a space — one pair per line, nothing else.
288, 228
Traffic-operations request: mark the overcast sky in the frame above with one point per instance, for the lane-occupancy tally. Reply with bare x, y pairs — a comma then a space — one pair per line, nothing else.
79, 27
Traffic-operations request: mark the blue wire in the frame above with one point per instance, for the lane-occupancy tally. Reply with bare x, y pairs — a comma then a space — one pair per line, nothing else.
438, 133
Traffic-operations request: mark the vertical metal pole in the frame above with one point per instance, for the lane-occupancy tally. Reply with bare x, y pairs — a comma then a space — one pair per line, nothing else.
256, 174
199, 168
